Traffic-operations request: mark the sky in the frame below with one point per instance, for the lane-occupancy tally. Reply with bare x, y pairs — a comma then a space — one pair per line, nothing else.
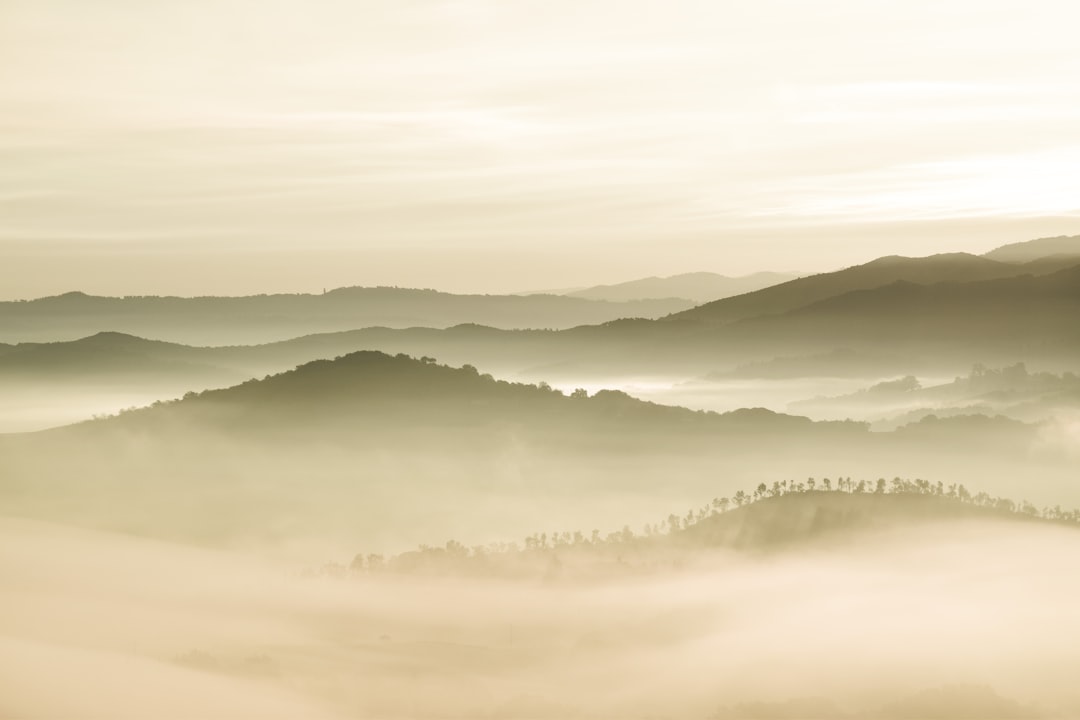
242, 146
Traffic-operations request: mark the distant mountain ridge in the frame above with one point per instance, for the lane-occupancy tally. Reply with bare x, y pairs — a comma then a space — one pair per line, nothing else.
695, 286
950, 267
1016, 318
266, 318
1062, 246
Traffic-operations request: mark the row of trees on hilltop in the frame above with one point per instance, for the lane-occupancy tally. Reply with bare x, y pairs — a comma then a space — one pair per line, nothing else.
550, 544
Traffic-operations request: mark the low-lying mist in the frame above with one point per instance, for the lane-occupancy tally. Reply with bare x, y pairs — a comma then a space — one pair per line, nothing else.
972, 618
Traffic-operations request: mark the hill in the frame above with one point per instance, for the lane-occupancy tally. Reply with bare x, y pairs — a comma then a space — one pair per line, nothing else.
1028, 313
954, 267
697, 287
108, 355
311, 448
788, 517
1031, 250
900, 328
265, 318
399, 394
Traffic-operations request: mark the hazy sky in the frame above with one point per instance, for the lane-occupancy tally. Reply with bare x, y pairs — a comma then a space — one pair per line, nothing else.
235, 146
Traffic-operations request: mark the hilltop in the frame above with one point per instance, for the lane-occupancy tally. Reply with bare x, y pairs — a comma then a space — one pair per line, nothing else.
387, 393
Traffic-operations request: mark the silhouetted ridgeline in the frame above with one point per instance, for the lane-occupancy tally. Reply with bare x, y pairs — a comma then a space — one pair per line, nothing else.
768, 518
1054, 249
698, 287
387, 393
950, 267
891, 316
263, 318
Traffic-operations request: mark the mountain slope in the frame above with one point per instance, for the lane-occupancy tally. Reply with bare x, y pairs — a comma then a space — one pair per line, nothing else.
955, 267
698, 287
1026, 312
1023, 252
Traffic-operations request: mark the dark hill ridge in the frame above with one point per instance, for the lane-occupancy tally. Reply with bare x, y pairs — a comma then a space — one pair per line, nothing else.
953, 267
400, 392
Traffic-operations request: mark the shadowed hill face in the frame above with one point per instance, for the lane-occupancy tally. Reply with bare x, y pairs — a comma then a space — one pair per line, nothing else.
956, 267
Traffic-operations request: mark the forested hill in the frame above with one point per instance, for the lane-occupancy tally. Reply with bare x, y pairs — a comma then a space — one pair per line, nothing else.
771, 518
399, 393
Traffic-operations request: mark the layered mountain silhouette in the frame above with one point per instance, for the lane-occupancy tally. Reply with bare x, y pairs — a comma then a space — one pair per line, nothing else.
262, 318
313, 446
949, 325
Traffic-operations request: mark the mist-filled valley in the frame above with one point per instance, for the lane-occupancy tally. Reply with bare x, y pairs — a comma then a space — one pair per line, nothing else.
469, 360
803, 604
